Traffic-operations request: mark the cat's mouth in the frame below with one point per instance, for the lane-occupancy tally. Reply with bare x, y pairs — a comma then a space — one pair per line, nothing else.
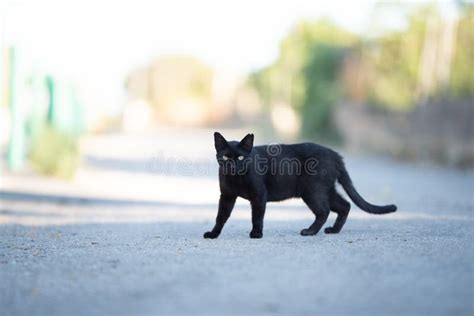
231, 169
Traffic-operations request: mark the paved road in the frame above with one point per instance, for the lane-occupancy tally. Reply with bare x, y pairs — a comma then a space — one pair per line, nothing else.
60, 257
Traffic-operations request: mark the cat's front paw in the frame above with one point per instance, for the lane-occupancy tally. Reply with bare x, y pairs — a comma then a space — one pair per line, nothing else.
255, 234
211, 235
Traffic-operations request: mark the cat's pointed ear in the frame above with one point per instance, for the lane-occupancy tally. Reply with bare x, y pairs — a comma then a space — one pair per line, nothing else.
219, 141
247, 143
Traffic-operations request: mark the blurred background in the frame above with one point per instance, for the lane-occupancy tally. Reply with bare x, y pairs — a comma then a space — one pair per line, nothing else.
119, 100
108, 177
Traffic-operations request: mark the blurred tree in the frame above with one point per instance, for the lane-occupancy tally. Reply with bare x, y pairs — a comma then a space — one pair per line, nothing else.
462, 74
432, 58
393, 62
306, 75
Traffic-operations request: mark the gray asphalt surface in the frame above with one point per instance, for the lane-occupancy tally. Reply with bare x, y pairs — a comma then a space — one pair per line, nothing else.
418, 261
373, 268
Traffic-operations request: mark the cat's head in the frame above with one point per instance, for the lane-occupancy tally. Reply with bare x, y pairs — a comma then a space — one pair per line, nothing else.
233, 156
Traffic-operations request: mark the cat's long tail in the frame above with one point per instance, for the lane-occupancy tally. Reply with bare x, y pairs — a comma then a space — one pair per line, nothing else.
346, 182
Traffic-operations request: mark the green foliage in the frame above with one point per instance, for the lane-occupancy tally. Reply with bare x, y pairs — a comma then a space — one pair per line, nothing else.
55, 153
462, 74
396, 70
393, 63
306, 74
322, 91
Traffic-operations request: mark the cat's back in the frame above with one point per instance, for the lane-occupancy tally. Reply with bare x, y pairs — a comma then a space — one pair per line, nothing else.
291, 168
300, 151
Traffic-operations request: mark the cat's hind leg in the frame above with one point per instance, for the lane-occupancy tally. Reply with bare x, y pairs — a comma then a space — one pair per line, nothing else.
319, 204
339, 205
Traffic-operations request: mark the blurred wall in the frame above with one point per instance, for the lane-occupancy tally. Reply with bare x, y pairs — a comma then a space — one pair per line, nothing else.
439, 131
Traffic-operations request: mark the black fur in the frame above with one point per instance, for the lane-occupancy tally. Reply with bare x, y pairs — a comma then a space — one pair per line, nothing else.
279, 172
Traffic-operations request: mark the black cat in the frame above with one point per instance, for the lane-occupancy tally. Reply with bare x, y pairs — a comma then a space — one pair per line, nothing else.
269, 173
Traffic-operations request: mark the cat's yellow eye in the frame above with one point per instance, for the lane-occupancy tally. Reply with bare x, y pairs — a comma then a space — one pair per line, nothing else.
225, 158
240, 157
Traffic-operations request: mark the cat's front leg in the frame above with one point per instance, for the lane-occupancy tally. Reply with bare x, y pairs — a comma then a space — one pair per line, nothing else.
258, 212
226, 204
